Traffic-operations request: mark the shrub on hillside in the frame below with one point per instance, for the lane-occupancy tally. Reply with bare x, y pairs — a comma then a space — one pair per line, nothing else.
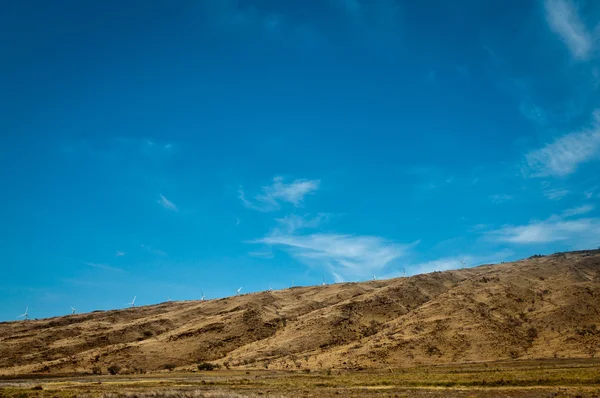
532, 333
170, 366
114, 369
537, 256
206, 366
432, 350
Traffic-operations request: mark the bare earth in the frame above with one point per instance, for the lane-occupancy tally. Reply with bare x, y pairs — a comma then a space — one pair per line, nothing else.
538, 314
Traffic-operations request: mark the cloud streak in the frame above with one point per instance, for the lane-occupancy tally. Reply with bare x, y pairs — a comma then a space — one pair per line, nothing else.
576, 211
500, 198
273, 195
556, 193
149, 249
562, 157
294, 222
555, 229
448, 263
564, 20
104, 267
264, 254
167, 204
343, 255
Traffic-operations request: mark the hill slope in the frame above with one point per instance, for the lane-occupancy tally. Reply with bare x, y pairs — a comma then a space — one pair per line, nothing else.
535, 308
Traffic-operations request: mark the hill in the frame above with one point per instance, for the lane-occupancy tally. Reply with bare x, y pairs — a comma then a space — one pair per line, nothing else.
541, 307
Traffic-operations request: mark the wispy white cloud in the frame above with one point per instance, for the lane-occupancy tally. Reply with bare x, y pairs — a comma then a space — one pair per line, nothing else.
343, 255
556, 193
500, 198
272, 195
293, 193
563, 156
119, 253
267, 254
293, 222
552, 230
102, 266
152, 250
167, 204
563, 18
479, 227
448, 263
576, 211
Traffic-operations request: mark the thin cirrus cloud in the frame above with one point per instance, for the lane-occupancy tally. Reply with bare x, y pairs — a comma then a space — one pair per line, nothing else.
556, 193
167, 204
500, 198
267, 254
152, 250
576, 211
578, 232
562, 157
104, 267
294, 222
564, 20
449, 263
273, 195
345, 256
119, 253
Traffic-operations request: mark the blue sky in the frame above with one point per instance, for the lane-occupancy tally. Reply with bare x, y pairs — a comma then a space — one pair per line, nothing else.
160, 149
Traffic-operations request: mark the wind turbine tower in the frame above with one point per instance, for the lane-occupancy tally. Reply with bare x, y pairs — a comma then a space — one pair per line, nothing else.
26, 314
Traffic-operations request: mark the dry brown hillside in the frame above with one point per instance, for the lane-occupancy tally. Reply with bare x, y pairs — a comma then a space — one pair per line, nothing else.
541, 307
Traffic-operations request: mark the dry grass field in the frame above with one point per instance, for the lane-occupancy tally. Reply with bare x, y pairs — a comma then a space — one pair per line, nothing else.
543, 378
528, 327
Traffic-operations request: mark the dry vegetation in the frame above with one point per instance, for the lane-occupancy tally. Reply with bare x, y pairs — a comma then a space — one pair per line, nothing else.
551, 378
542, 308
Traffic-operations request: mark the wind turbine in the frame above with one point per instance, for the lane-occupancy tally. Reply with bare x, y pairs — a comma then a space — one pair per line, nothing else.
323, 283
403, 272
168, 299
374, 277
73, 310
462, 262
133, 301
238, 291
202, 293
270, 288
26, 314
